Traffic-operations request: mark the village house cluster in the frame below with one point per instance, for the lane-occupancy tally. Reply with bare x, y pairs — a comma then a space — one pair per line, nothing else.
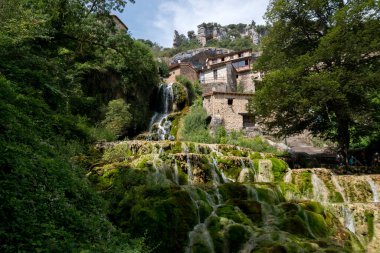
228, 82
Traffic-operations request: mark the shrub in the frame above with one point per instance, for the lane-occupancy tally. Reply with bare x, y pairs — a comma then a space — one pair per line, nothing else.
117, 116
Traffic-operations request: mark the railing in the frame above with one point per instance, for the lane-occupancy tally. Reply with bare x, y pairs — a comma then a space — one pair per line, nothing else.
222, 79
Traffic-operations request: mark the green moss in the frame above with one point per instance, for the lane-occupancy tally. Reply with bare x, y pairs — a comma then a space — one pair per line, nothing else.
166, 214
317, 224
313, 206
269, 196
279, 168
236, 236
251, 208
230, 167
215, 228
233, 191
370, 224
303, 180
295, 225
336, 197
255, 155
232, 213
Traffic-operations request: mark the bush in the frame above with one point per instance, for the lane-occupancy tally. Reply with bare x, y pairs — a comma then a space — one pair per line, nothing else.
194, 127
117, 116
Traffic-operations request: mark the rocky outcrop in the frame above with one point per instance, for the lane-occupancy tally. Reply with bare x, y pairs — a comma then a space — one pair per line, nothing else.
197, 57
214, 31
192, 197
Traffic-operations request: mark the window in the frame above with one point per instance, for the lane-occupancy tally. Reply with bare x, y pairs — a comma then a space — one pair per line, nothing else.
215, 72
237, 76
248, 120
239, 55
246, 63
230, 101
223, 59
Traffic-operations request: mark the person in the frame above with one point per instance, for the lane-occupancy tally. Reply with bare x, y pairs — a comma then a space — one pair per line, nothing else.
354, 162
376, 159
351, 161
339, 159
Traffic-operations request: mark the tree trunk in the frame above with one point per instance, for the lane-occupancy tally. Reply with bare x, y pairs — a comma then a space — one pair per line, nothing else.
343, 138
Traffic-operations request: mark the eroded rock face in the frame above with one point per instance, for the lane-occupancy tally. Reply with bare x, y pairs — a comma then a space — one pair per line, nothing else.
352, 198
191, 197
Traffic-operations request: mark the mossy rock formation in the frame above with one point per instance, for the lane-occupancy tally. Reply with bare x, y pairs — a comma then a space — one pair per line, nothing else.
189, 197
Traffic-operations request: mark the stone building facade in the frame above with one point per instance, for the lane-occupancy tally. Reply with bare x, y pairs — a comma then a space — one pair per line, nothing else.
183, 69
228, 109
230, 72
119, 24
228, 82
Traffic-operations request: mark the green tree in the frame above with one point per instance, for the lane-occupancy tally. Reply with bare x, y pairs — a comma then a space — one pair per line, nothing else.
323, 69
117, 116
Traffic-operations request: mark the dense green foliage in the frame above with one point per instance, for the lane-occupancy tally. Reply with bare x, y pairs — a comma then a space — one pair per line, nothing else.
61, 62
194, 128
323, 64
117, 116
46, 203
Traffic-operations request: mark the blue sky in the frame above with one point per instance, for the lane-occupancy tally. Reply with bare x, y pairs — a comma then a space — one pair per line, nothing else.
156, 20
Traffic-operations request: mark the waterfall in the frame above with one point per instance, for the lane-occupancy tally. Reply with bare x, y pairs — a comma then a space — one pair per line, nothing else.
176, 177
185, 149
348, 220
160, 117
244, 173
265, 173
252, 193
338, 187
288, 176
200, 234
374, 190
320, 191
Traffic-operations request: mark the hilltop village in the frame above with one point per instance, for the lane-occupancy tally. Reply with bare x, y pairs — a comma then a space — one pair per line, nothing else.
227, 81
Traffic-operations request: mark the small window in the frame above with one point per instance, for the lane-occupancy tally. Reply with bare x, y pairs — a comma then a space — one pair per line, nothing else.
223, 59
215, 72
237, 76
239, 55
230, 101
246, 62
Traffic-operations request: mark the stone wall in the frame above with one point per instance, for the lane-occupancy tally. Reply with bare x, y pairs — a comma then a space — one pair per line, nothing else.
189, 72
210, 87
245, 82
221, 75
173, 73
183, 69
228, 107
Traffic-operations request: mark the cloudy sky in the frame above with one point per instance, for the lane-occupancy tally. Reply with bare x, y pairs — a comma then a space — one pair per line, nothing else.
156, 20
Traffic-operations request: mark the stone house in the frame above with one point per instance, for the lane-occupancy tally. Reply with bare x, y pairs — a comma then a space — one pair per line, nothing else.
119, 24
184, 69
228, 83
228, 109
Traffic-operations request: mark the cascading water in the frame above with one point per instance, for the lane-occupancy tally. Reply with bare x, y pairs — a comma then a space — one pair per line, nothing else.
335, 181
348, 220
244, 173
288, 176
375, 192
320, 191
159, 123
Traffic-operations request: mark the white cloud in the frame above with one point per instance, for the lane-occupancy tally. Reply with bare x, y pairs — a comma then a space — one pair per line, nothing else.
185, 15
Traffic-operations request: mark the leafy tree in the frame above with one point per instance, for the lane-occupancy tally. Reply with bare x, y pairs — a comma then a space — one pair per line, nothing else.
117, 116
322, 62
